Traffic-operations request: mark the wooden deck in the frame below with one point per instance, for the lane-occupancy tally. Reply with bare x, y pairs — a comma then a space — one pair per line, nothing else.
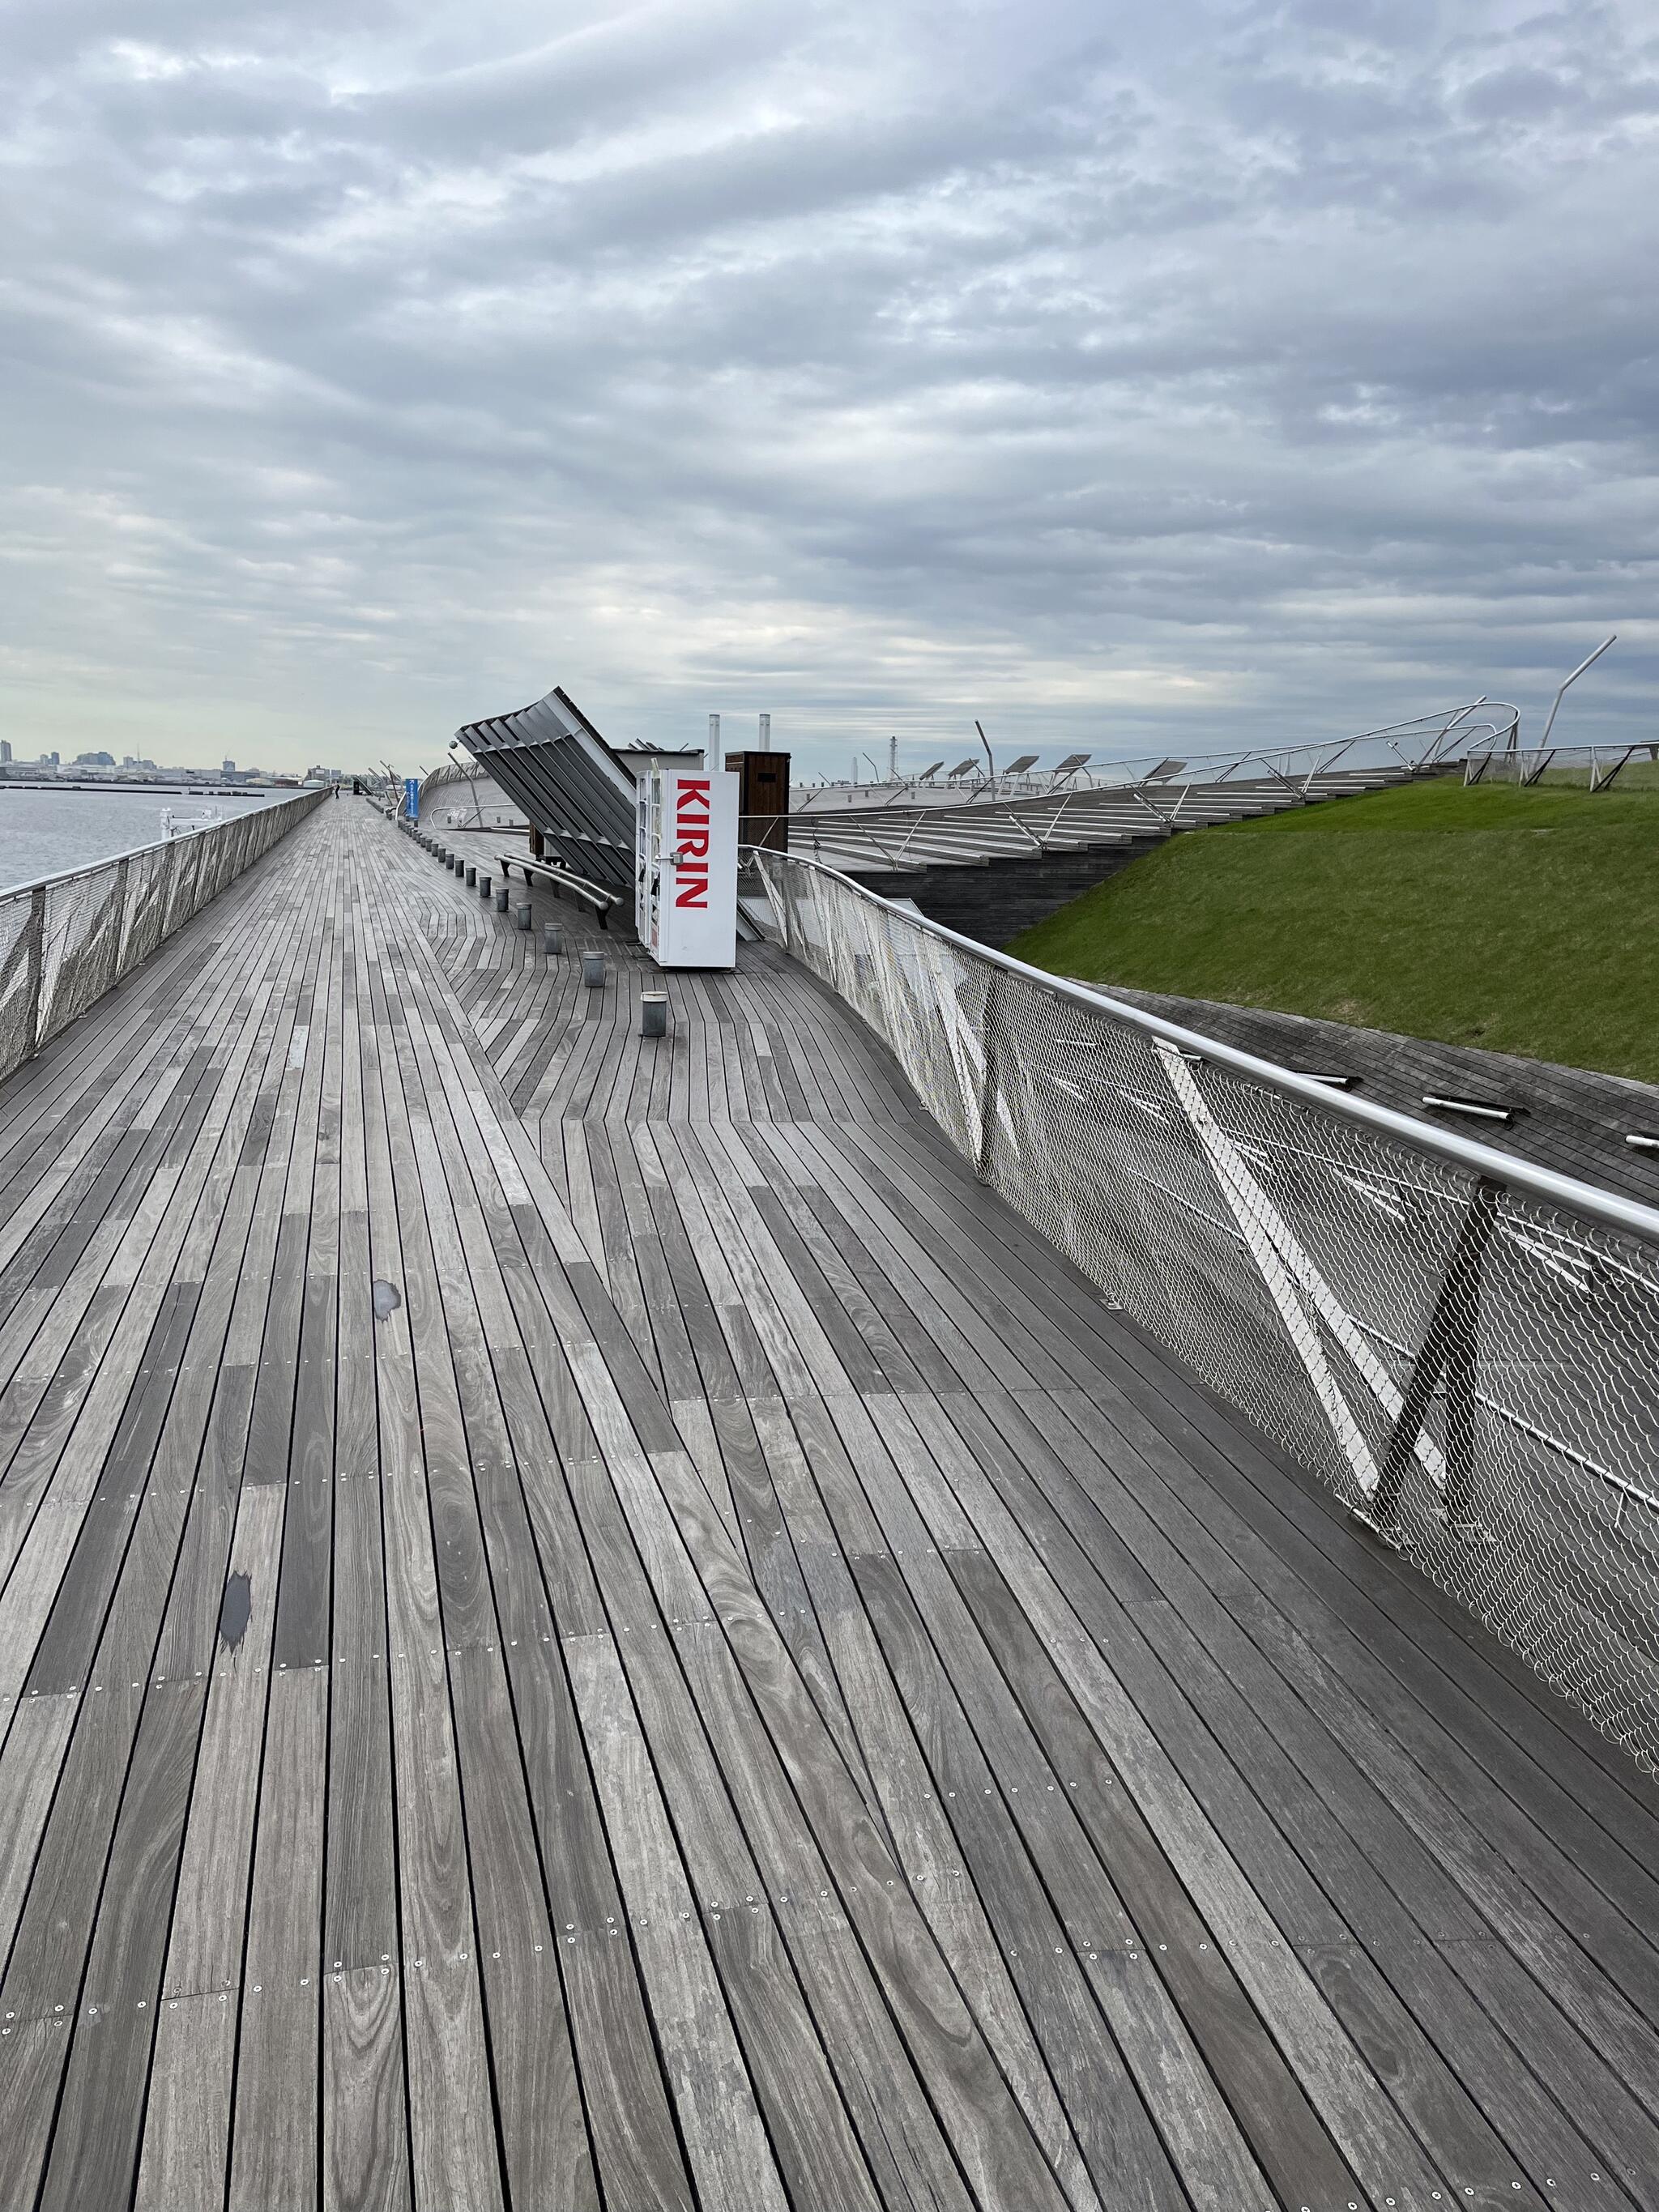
591, 1623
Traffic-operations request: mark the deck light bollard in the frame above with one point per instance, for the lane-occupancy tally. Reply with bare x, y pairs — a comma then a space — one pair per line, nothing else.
472, 877
501, 898
593, 971
653, 1013
484, 887
521, 914
552, 939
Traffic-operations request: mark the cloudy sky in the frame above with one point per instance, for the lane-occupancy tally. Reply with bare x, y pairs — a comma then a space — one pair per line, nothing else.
1128, 376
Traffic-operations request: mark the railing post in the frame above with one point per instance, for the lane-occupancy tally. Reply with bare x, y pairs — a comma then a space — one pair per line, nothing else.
988, 1084
35, 956
786, 908
1449, 1350
117, 908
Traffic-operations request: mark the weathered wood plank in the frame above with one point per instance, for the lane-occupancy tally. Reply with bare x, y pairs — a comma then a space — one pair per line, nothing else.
388, 1335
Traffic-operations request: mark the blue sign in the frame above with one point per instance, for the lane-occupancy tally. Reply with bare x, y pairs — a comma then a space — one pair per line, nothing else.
412, 797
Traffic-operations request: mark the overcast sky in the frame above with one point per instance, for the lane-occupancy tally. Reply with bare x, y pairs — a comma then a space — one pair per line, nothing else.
1160, 374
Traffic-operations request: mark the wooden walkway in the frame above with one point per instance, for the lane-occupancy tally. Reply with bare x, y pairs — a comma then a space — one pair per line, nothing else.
585, 1623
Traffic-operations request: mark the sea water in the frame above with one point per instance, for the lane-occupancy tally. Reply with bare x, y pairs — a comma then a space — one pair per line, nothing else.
43, 832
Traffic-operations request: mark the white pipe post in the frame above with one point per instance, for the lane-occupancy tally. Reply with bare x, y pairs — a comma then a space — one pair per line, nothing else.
990, 761
766, 733
1573, 678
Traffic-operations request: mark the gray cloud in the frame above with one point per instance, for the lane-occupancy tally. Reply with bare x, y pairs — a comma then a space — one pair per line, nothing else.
1248, 373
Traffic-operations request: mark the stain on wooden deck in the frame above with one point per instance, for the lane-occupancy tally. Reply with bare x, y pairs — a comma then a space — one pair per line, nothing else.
590, 1623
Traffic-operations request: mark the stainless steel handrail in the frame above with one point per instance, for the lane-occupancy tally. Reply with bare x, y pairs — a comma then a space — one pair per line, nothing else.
1468, 1153
69, 946
596, 894
1434, 731
137, 852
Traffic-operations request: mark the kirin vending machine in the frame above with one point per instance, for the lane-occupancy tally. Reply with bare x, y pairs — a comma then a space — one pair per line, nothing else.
686, 855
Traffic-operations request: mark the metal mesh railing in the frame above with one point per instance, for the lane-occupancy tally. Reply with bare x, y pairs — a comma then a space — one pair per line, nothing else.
1573, 768
1463, 1346
66, 941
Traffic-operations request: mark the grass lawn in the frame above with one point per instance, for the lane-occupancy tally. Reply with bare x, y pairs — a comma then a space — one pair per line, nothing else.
1523, 921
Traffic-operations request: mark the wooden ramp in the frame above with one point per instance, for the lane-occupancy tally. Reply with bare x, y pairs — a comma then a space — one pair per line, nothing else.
590, 1623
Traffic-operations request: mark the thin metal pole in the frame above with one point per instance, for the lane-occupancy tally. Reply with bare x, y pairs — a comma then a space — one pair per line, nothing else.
1448, 1348
987, 1095
990, 758
1573, 678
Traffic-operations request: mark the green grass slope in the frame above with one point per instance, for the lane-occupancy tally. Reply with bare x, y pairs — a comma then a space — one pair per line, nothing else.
1523, 921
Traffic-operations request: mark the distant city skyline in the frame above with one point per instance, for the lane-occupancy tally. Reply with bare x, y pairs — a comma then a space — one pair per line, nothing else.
102, 765
1173, 379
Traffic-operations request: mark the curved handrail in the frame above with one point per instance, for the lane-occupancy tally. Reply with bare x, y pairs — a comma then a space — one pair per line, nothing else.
1626, 1214
137, 852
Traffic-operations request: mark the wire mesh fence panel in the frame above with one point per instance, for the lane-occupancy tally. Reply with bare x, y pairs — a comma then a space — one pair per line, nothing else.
82, 947
150, 882
1573, 768
21, 925
64, 943
182, 882
1471, 1367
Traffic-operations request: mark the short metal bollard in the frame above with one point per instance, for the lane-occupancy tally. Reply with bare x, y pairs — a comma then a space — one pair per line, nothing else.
501, 898
653, 1013
593, 971
521, 915
484, 887
472, 877
552, 939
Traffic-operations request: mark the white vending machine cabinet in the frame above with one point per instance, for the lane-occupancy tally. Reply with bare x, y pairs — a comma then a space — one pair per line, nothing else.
686, 856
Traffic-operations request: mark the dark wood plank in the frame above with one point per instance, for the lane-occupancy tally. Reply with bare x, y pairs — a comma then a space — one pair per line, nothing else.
1062, 1804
